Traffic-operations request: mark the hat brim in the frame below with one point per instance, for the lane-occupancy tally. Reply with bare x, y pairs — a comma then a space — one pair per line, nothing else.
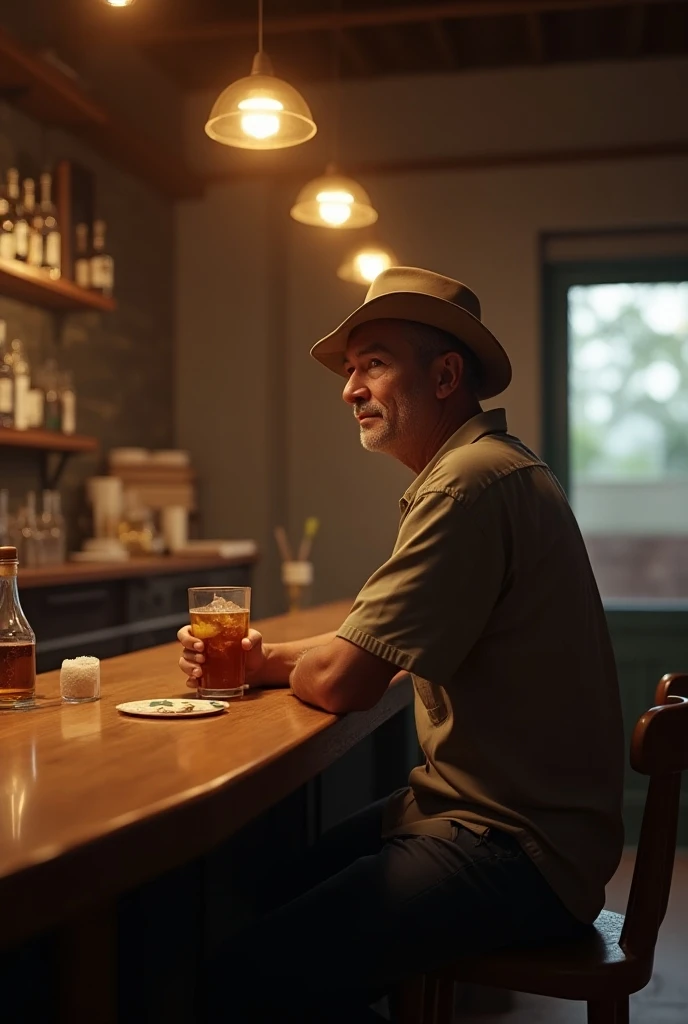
424, 309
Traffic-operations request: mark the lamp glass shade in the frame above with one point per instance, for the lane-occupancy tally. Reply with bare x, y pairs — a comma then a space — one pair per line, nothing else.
260, 112
119, 3
334, 201
364, 264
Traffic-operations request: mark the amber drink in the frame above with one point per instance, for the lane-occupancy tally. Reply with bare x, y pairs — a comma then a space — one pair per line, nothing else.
17, 640
220, 618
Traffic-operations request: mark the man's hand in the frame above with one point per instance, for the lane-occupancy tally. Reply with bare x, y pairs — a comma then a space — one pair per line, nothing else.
192, 657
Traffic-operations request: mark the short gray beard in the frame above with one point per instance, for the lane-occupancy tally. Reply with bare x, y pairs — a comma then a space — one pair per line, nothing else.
391, 438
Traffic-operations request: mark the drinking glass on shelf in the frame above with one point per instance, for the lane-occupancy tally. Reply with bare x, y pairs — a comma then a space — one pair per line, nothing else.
220, 618
59, 529
28, 535
46, 526
5, 525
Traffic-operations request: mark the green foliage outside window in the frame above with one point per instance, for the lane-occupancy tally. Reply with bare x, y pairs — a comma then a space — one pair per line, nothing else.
628, 381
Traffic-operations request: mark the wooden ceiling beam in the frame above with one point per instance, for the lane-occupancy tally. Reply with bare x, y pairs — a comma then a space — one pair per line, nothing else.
635, 30
353, 52
251, 171
392, 40
318, 21
536, 38
443, 44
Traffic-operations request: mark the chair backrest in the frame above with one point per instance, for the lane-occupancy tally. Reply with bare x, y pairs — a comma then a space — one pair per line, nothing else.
672, 684
659, 748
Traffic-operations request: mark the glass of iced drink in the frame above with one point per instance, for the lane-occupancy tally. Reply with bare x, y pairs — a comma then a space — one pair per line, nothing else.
220, 617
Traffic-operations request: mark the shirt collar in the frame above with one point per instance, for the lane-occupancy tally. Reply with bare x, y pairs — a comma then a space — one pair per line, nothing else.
491, 422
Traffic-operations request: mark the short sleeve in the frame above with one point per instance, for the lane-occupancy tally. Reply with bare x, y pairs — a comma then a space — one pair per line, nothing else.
425, 608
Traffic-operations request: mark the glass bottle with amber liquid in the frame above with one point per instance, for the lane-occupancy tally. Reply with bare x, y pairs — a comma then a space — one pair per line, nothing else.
34, 218
6, 380
17, 639
52, 240
102, 263
82, 260
20, 222
7, 241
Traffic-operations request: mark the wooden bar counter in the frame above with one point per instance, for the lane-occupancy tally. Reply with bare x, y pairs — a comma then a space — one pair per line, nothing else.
94, 803
159, 565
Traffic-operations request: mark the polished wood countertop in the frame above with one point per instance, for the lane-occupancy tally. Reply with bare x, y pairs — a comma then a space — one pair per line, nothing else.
81, 572
93, 802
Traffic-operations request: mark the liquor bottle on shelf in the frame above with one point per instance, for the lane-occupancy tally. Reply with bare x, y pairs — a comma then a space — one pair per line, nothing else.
34, 220
82, 260
7, 240
102, 263
17, 639
36, 408
21, 224
22, 381
49, 381
6, 380
52, 241
67, 403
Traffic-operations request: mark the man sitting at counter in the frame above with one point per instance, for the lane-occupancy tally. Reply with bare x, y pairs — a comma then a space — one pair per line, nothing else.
510, 830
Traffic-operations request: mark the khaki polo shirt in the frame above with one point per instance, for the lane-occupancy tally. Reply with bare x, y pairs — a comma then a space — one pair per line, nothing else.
489, 602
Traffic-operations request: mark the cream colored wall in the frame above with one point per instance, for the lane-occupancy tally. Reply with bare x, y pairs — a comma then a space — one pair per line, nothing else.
482, 227
222, 371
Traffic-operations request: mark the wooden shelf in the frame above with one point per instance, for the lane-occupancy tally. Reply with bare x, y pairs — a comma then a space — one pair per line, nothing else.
48, 94
43, 91
47, 440
34, 285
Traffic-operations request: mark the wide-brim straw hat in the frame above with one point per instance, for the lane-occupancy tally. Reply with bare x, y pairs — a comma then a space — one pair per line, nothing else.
409, 293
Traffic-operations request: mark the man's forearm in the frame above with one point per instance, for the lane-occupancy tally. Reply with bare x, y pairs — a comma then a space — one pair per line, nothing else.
282, 658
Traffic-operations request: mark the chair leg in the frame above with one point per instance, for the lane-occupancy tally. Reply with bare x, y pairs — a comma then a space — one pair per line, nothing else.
430, 997
608, 1011
409, 1001
444, 1006
622, 1011
425, 999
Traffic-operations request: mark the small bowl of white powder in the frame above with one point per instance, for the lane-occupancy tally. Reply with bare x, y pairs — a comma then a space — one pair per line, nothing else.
80, 680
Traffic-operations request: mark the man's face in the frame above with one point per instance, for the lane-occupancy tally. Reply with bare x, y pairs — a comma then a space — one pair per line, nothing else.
390, 391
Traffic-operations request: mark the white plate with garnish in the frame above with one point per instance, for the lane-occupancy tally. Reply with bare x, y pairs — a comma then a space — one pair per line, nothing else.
173, 707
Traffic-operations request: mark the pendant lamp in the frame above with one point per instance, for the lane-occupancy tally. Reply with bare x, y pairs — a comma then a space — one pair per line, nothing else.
364, 263
119, 3
334, 200
260, 111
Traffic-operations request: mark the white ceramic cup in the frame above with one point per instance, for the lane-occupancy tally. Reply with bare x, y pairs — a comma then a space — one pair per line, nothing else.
175, 526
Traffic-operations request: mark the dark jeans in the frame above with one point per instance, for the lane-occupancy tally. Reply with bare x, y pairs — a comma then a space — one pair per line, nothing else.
362, 913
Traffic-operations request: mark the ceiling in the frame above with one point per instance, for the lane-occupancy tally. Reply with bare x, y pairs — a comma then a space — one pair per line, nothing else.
206, 43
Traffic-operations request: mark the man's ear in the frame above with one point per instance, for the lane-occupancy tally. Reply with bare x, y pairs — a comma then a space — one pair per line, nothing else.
448, 373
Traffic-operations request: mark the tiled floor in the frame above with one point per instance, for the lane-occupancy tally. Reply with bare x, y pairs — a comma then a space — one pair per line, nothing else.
664, 1001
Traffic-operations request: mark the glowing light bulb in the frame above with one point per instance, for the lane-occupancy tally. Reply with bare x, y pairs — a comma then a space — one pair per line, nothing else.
370, 264
334, 207
364, 264
119, 3
261, 122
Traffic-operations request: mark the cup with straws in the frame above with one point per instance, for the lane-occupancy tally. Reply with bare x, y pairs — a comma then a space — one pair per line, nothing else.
297, 572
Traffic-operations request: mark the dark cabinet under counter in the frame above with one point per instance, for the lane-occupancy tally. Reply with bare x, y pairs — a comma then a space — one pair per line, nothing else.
105, 609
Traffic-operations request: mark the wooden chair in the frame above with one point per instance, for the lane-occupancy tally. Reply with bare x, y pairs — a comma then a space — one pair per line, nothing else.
602, 969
